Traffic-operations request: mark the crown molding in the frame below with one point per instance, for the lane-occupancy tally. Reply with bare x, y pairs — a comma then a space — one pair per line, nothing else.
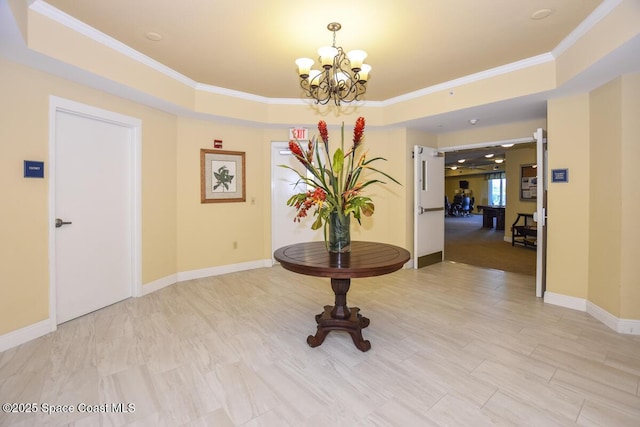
80, 27
600, 12
482, 75
100, 37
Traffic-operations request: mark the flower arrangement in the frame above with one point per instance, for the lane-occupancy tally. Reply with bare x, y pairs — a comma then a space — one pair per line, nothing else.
335, 183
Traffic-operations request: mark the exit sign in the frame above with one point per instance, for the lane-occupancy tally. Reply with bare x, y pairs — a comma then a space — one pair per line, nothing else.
301, 134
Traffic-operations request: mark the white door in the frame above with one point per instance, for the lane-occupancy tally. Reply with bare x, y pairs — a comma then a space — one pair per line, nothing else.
541, 212
95, 190
428, 246
284, 231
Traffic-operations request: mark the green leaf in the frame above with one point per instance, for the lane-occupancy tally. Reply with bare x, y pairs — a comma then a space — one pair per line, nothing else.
338, 160
317, 223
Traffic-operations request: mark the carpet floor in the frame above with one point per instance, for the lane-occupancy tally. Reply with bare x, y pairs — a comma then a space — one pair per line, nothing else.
466, 241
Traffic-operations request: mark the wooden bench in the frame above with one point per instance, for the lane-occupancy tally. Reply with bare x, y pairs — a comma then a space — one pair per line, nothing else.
524, 234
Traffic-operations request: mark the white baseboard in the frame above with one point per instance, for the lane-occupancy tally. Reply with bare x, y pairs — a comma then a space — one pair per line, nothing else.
223, 269
156, 285
31, 332
622, 326
628, 326
172, 279
23, 335
573, 303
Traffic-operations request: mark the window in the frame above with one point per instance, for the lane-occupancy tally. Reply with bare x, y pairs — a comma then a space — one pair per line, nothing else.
497, 190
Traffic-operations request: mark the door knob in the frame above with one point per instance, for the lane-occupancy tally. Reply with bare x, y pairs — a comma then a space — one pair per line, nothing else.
60, 223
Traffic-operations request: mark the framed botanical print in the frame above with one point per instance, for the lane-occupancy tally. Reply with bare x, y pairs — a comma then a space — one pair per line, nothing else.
222, 176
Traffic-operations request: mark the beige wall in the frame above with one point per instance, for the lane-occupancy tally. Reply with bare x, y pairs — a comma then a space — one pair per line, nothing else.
568, 203
595, 136
180, 234
630, 203
389, 222
207, 231
605, 228
24, 220
613, 279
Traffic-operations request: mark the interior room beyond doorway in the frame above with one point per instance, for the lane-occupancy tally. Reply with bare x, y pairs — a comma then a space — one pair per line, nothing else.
488, 175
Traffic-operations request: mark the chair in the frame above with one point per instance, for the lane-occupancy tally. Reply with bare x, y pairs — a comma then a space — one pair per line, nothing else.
456, 206
466, 206
447, 206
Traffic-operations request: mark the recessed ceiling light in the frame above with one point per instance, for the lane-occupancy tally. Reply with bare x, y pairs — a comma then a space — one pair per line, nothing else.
474, 121
507, 145
461, 161
454, 168
488, 156
499, 161
153, 36
541, 14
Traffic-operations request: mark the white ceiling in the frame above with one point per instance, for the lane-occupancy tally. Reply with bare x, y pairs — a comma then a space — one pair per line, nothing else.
251, 46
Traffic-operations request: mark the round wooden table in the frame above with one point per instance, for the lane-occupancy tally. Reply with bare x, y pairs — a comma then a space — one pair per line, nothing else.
366, 259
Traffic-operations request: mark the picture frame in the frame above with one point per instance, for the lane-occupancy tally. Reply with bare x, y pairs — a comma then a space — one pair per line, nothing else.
222, 176
528, 183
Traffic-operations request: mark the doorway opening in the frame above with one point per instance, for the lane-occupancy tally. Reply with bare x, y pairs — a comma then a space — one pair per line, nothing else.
485, 174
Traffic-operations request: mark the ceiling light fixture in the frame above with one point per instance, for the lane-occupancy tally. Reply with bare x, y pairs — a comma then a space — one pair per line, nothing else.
461, 161
454, 168
343, 77
488, 156
507, 145
474, 121
153, 36
541, 14
498, 161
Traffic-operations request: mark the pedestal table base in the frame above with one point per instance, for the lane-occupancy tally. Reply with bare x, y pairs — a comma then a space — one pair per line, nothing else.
341, 318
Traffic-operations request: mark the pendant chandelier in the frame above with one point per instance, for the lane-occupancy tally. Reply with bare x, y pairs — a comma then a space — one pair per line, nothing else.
343, 77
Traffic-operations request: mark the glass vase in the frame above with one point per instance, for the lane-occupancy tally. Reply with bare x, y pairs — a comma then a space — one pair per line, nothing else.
339, 239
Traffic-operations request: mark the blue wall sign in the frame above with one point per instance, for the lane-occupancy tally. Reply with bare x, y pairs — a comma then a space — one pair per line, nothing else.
559, 175
33, 169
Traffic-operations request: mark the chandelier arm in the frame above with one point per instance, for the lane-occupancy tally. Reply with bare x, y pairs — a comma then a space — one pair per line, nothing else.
350, 88
338, 82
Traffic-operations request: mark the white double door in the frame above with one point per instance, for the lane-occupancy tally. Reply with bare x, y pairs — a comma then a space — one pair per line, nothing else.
95, 257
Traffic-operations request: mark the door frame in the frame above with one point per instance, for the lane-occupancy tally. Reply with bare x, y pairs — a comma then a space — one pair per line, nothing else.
540, 142
540, 136
56, 105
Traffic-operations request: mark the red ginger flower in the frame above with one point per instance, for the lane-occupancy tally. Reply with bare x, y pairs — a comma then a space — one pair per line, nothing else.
358, 131
324, 133
319, 195
295, 149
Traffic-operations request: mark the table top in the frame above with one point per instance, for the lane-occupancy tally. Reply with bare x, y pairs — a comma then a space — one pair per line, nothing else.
366, 259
